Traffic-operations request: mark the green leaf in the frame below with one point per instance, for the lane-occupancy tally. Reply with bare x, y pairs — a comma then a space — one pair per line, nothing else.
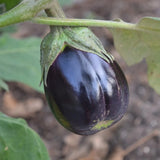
141, 42
19, 61
153, 62
8, 29
3, 85
9, 4
151, 23
19, 142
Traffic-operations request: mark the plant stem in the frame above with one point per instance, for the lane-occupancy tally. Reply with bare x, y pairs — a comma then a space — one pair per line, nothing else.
83, 22
55, 10
26, 10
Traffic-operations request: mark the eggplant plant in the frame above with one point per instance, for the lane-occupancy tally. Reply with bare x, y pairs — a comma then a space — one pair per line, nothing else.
85, 87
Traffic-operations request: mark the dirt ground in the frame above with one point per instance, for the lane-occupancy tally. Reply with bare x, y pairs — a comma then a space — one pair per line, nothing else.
126, 140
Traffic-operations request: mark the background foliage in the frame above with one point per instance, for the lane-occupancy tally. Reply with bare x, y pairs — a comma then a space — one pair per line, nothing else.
9, 4
134, 45
18, 141
19, 61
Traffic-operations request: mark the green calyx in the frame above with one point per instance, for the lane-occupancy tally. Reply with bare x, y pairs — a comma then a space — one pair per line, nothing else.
52, 45
80, 38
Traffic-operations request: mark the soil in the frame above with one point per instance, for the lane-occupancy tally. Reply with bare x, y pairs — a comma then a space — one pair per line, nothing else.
141, 119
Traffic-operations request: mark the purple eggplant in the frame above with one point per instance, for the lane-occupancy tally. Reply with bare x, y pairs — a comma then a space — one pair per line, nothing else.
85, 92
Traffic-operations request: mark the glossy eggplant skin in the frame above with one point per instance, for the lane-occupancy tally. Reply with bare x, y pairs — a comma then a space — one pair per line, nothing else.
84, 90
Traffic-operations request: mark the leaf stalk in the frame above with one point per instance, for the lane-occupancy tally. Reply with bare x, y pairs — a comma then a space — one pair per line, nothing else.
26, 10
83, 22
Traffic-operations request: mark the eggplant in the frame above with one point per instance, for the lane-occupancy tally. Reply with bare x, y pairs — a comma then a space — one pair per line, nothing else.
85, 92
